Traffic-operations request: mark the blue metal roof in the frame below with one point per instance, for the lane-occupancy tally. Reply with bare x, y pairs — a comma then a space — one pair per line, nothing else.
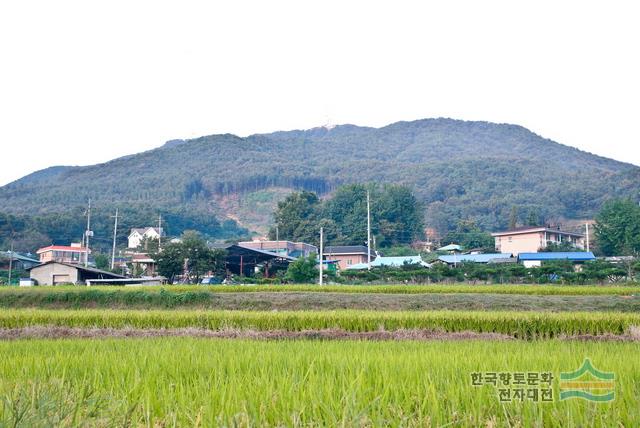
577, 256
474, 258
391, 261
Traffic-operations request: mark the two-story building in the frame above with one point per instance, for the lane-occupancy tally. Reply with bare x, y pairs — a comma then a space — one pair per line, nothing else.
137, 235
73, 254
533, 239
347, 255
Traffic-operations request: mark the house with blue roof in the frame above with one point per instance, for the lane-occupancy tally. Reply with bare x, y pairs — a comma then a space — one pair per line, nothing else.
392, 262
455, 259
536, 259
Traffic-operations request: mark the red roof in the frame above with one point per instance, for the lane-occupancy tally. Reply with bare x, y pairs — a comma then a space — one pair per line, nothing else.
61, 248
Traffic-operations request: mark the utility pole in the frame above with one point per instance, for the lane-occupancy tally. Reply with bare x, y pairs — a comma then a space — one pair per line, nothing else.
10, 263
368, 231
278, 241
115, 231
159, 232
88, 234
320, 255
588, 246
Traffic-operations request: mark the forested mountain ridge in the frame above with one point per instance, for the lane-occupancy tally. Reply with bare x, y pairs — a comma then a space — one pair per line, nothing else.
458, 169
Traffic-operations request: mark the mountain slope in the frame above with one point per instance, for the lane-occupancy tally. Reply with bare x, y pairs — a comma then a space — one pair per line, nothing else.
459, 169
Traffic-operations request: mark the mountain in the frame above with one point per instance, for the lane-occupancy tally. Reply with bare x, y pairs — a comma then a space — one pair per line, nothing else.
459, 169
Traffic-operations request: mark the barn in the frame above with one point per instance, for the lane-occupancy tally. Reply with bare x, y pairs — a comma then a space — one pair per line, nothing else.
56, 273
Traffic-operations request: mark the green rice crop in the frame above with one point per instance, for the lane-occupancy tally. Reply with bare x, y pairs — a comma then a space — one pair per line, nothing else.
175, 294
525, 325
200, 382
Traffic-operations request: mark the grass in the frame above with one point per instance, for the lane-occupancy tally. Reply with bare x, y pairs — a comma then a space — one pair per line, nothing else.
124, 298
524, 325
207, 296
196, 382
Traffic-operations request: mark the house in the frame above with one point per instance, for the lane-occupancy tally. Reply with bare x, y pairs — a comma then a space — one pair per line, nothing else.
137, 235
476, 258
392, 262
55, 273
143, 264
17, 261
73, 254
536, 259
287, 248
533, 239
348, 255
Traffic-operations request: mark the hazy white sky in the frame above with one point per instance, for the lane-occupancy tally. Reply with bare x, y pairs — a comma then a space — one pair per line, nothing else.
82, 82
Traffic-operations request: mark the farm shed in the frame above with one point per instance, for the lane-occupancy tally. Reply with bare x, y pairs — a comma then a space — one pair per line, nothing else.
244, 261
55, 273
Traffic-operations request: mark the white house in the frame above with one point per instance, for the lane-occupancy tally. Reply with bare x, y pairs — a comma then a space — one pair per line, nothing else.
137, 235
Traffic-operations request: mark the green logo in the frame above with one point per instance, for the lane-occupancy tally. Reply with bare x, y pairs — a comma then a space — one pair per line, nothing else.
587, 383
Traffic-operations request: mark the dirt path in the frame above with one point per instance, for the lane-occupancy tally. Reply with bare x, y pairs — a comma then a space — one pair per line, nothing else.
51, 332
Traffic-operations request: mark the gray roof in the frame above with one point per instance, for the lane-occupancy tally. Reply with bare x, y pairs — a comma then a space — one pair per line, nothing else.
525, 229
474, 258
82, 268
143, 230
18, 256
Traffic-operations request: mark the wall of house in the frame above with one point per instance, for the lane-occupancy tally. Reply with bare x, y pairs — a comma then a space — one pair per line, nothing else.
534, 241
62, 256
346, 260
521, 243
54, 273
134, 240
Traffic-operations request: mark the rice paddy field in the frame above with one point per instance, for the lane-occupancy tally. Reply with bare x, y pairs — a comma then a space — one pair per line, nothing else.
162, 356
199, 382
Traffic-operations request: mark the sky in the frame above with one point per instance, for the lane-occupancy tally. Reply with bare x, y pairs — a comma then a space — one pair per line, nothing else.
85, 82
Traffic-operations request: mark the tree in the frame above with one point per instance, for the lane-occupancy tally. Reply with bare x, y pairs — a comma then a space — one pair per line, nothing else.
170, 261
303, 270
102, 261
469, 235
618, 228
396, 216
513, 218
554, 247
533, 219
295, 216
191, 253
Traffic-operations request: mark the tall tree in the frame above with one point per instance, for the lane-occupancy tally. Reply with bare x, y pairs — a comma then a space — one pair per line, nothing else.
295, 217
193, 253
618, 228
513, 218
396, 216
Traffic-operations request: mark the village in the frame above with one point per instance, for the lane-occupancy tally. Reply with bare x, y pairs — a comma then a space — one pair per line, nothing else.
263, 258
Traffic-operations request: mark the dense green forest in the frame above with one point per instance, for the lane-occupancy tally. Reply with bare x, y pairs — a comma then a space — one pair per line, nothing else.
458, 170
31, 232
396, 216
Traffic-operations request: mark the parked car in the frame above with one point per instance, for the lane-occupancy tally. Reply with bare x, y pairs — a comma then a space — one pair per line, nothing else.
211, 280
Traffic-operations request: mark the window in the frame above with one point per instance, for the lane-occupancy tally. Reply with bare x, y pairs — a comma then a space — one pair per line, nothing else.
349, 262
510, 239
